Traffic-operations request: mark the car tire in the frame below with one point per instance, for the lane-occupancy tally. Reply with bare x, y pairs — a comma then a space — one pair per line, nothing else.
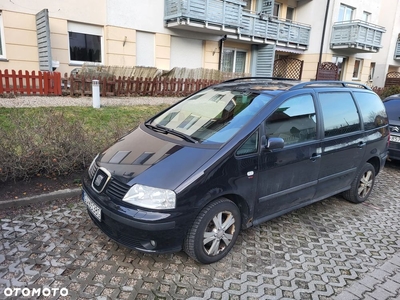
362, 185
214, 231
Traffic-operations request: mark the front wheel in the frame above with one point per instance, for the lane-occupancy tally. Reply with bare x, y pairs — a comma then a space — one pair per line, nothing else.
362, 185
214, 232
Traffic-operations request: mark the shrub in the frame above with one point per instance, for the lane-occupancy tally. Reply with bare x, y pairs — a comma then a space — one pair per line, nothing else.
387, 91
58, 141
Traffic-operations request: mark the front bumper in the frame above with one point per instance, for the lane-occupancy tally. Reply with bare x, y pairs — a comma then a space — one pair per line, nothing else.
394, 150
142, 230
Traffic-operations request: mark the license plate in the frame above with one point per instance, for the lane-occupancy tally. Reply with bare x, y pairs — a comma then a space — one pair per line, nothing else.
395, 139
94, 209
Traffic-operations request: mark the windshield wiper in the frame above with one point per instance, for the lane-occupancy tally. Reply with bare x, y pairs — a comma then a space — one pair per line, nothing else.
166, 130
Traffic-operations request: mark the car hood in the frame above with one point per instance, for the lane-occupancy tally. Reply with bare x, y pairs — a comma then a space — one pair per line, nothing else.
153, 159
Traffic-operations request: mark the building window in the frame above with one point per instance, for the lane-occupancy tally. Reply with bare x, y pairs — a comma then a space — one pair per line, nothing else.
340, 61
233, 61
277, 8
345, 13
290, 13
85, 43
2, 43
371, 71
248, 5
357, 68
366, 16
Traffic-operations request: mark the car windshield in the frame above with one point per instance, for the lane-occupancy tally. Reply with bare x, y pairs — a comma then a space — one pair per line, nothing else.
212, 115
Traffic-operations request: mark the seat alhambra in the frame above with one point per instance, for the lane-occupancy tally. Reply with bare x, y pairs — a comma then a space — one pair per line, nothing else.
232, 156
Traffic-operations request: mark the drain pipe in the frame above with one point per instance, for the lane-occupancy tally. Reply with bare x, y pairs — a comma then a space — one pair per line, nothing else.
221, 48
323, 32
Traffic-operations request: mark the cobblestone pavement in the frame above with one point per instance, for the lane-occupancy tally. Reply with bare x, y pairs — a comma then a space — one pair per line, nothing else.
329, 250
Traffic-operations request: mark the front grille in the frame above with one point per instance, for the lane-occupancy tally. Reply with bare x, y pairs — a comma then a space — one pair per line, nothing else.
117, 189
92, 170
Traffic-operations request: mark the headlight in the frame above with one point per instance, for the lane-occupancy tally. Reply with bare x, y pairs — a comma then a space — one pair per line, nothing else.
150, 197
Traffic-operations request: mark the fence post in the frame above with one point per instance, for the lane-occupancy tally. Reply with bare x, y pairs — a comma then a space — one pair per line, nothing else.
96, 93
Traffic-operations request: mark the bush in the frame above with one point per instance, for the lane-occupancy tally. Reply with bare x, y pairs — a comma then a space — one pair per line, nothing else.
387, 91
58, 141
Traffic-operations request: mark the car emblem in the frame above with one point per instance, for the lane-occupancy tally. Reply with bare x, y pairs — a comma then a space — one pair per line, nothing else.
395, 129
101, 179
98, 180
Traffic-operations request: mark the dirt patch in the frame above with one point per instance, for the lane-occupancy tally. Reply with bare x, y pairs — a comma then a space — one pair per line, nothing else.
38, 185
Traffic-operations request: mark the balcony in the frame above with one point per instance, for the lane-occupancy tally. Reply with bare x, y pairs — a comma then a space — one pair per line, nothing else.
227, 17
397, 50
356, 36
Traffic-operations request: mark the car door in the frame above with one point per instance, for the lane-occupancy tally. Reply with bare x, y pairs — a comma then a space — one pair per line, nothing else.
343, 145
288, 176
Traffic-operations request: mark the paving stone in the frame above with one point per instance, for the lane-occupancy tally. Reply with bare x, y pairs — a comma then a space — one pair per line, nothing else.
332, 249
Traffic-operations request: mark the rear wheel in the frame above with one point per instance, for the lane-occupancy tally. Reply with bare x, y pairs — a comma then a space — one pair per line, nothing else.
362, 185
214, 232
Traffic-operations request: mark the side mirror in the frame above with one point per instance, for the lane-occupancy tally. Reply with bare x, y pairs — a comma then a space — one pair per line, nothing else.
274, 143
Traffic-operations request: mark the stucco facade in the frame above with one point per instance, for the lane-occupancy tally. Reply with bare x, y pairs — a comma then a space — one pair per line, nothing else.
131, 33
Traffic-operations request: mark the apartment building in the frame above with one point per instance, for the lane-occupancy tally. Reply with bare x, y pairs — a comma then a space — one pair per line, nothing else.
357, 39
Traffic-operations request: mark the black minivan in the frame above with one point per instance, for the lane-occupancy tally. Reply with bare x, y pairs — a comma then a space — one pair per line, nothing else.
234, 155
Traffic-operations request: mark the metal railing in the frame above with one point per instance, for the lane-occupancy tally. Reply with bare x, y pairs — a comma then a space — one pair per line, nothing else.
230, 14
358, 34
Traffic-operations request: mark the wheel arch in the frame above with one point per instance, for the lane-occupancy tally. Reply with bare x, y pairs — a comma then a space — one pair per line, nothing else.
243, 206
375, 162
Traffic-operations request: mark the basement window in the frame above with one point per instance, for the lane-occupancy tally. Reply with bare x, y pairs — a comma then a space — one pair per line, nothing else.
85, 43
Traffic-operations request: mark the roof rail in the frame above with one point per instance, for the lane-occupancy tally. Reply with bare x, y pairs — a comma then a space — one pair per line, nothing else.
325, 83
255, 78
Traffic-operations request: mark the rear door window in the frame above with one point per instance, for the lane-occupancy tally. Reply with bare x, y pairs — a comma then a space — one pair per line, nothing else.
340, 115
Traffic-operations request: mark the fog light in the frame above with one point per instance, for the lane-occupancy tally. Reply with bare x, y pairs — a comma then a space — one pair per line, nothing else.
150, 245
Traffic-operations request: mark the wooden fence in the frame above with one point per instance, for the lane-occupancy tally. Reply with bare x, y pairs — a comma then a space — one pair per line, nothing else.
392, 78
42, 83
127, 86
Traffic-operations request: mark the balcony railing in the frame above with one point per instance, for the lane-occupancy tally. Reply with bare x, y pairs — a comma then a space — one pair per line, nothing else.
228, 16
357, 36
397, 50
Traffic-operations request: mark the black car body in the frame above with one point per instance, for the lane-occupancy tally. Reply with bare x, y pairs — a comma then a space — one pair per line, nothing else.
232, 156
392, 105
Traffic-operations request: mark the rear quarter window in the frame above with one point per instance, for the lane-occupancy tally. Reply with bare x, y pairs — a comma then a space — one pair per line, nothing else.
372, 110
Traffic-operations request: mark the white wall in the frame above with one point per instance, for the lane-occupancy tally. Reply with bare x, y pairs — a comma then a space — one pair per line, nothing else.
145, 49
87, 11
186, 53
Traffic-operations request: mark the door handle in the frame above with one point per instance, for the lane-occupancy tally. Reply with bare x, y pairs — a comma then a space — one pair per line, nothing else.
314, 156
361, 144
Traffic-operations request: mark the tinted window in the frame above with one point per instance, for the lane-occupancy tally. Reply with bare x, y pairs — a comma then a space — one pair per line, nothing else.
339, 112
372, 110
393, 109
84, 47
294, 121
250, 146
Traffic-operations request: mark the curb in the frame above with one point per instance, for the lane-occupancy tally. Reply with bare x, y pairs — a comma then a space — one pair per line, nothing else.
41, 198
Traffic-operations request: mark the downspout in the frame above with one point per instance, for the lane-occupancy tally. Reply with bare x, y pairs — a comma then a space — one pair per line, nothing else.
323, 32
221, 48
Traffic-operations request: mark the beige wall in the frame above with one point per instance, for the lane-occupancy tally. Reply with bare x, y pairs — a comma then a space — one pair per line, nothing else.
163, 51
120, 46
211, 55
20, 42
